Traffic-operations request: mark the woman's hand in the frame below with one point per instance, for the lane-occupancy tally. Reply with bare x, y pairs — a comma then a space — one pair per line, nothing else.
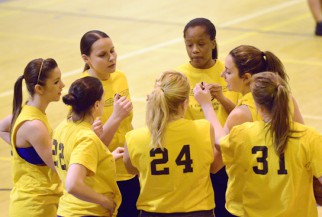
108, 203
97, 127
202, 94
122, 106
215, 91
118, 153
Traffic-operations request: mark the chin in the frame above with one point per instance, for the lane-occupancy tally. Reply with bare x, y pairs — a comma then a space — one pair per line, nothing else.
112, 69
57, 99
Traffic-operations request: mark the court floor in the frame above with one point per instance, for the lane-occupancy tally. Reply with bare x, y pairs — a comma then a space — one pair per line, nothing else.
147, 35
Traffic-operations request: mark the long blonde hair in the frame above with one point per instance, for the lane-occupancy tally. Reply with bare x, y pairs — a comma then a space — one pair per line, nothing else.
170, 91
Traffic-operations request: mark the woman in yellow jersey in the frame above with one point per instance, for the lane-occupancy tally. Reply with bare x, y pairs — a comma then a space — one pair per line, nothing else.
241, 63
84, 164
99, 54
278, 156
172, 155
36, 186
204, 66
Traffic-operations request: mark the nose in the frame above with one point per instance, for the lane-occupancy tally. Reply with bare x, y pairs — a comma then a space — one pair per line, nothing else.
112, 57
195, 49
223, 74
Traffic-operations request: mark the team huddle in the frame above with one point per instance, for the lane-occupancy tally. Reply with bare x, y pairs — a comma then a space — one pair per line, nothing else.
221, 139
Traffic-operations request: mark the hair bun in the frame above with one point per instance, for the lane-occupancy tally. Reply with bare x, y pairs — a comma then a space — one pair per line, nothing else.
69, 99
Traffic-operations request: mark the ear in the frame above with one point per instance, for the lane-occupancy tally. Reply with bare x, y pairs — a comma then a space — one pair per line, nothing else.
214, 44
85, 58
97, 104
247, 77
95, 107
39, 89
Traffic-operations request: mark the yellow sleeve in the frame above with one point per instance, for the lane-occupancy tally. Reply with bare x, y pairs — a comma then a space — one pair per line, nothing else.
85, 153
232, 145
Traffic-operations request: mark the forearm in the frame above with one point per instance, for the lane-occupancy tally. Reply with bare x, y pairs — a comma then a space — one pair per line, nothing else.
5, 136
83, 192
127, 162
109, 129
316, 7
227, 104
212, 118
5, 125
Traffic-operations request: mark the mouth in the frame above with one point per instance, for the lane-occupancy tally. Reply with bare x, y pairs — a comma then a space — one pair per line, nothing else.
112, 66
196, 58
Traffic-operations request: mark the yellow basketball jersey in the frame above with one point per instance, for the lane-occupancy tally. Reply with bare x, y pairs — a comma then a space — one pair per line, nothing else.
36, 189
248, 100
76, 143
117, 83
177, 178
272, 186
211, 75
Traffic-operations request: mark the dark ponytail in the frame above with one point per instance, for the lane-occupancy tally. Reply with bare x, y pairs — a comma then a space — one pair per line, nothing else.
17, 100
36, 72
249, 59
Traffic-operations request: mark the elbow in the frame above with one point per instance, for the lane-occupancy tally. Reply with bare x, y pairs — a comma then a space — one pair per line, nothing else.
71, 187
133, 172
130, 168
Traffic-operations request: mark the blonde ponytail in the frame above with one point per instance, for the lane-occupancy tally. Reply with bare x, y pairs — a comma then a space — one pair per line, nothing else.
170, 91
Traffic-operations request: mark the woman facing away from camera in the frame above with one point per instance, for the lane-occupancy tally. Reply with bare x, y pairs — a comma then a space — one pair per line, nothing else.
241, 64
99, 55
172, 155
84, 164
275, 157
36, 186
204, 66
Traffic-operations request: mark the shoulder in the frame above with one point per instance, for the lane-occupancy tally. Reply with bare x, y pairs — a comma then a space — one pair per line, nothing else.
119, 73
184, 68
242, 128
119, 78
34, 126
240, 134
306, 132
200, 123
219, 64
239, 115
33, 129
138, 131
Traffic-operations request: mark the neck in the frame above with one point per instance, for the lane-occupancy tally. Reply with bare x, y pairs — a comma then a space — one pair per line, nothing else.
175, 117
88, 118
263, 113
37, 102
102, 77
245, 90
207, 65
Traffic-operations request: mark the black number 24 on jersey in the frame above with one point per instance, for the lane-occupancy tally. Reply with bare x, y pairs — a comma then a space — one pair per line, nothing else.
162, 157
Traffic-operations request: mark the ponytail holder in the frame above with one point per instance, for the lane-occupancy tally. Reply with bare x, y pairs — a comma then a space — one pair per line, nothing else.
263, 55
158, 85
161, 88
